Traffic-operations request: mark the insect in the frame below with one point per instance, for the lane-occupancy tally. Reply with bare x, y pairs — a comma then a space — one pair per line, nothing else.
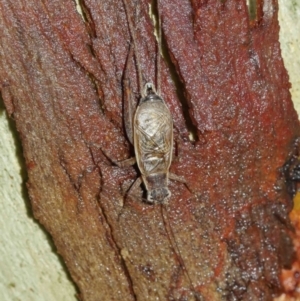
150, 131
153, 143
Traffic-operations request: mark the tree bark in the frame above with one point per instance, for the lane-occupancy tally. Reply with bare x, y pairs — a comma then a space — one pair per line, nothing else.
224, 235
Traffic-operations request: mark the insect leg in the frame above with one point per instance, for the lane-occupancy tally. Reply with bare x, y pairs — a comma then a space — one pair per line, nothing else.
129, 107
174, 177
134, 40
133, 190
176, 249
125, 163
159, 53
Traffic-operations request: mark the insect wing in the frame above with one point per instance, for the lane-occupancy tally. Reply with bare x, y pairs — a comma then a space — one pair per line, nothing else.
153, 137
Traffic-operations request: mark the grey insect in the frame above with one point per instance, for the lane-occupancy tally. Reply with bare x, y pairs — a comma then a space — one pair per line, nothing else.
150, 130
153, 143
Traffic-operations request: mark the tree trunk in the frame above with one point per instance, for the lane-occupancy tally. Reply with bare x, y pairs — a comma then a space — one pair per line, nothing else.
224, 235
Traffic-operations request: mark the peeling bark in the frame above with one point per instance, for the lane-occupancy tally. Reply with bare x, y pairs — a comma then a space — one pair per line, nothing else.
226, 235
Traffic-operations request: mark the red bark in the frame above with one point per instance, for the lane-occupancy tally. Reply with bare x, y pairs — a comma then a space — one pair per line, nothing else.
224, 238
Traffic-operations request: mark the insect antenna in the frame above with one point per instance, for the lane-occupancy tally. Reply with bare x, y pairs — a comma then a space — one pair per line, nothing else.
159, 54
176, 249
134, 40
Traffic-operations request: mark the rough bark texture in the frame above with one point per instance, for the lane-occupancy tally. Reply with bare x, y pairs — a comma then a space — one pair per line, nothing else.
224, 238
